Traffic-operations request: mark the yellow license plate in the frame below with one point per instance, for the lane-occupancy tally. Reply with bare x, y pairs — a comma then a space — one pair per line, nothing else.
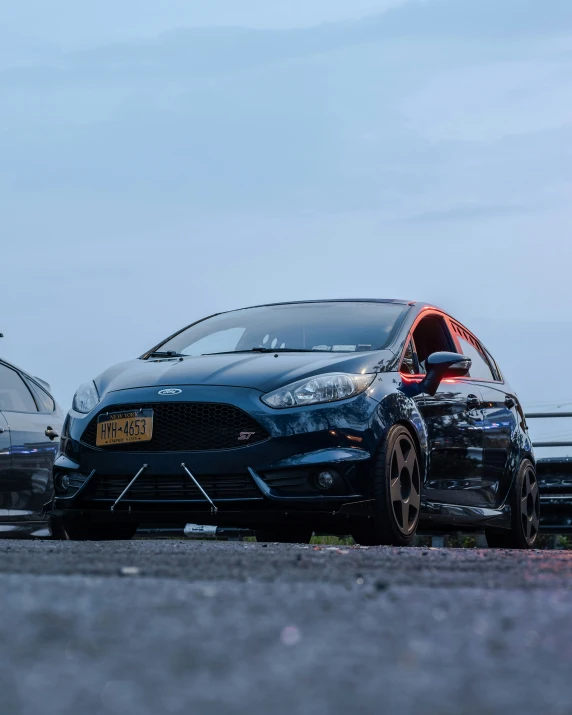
124, 427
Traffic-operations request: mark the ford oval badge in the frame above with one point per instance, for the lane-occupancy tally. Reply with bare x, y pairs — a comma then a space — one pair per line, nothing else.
170, 391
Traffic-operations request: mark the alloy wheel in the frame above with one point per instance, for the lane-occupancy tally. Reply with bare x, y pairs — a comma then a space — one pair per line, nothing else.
405, 485
530, 506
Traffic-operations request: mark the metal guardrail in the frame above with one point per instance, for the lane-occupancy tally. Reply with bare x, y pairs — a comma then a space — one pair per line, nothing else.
549, 415
533, 415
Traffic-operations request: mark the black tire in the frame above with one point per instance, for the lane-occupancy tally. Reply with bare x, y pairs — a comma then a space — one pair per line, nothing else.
397, 492
81, 531
525, 513
284, 536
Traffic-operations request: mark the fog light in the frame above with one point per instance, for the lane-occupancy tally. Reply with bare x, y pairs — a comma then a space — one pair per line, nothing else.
61, 482
325, 480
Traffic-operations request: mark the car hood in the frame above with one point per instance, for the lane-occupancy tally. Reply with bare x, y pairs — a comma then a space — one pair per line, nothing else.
259, 371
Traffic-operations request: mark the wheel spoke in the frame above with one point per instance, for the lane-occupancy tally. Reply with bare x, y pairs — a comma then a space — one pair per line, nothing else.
405, 515
415, 490
535, 518
524, 506
395, 489
528, 483
411, 461
534, 524
528, 529
399, 456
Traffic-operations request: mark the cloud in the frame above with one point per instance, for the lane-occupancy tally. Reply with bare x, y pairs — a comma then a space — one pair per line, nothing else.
470, 212
489, 102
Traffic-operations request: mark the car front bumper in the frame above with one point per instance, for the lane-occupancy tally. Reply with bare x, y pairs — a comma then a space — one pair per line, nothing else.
271, 481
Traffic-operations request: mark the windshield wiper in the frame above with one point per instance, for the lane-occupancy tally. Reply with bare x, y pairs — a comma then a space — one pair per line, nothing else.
167, 354
270, 350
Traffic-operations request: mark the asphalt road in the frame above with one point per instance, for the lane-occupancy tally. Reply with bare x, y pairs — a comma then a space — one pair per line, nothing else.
210, 627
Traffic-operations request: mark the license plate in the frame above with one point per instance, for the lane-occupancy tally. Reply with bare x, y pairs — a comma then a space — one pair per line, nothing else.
124, 427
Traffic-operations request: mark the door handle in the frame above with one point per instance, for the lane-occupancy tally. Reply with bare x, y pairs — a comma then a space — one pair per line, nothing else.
510, 402
473, 402
52, 434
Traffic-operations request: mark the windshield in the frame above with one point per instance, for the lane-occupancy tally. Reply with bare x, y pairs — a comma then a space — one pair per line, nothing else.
322, 327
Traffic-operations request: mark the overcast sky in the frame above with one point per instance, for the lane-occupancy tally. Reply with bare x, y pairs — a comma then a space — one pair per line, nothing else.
74, 24
162, 161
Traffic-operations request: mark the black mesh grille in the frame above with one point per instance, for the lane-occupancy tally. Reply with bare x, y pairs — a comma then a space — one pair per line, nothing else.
188, 427
175, 487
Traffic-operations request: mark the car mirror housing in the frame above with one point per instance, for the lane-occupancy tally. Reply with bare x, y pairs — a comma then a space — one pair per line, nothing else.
440, 366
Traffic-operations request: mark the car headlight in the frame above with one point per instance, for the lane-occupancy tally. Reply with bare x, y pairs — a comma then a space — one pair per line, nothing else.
86, 397
321, 388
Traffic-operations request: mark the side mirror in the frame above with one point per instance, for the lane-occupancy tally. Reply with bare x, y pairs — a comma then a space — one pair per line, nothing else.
441, 366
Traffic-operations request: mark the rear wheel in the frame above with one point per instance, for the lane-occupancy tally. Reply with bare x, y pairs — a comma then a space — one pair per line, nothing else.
80, 531
286, 536
525, 513
397, 490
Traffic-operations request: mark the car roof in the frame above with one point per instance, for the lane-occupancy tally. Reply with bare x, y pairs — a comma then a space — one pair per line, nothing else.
396, 301
21, 370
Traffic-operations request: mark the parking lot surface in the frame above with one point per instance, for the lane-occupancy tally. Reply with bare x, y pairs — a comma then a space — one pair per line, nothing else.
172, 626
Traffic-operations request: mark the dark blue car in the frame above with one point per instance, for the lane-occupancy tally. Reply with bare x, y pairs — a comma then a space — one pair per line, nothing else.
375, 418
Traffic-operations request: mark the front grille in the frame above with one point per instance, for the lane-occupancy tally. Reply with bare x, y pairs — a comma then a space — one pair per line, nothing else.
188, 427
151, 487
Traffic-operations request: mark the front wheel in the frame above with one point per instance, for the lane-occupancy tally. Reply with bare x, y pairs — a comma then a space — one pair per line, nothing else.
80, 531
397, 490
525, 513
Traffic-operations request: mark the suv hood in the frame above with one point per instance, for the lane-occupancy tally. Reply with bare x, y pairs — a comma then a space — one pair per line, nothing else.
259, 371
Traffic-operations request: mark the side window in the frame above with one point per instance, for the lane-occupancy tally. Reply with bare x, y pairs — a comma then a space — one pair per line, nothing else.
14, 393
494, 367
409, 362
44, 401
481, 368
431, 336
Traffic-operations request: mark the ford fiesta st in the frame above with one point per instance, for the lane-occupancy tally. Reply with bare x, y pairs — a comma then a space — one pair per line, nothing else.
374, 418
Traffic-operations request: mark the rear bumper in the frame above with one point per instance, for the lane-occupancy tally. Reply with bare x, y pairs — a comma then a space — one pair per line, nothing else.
556, 513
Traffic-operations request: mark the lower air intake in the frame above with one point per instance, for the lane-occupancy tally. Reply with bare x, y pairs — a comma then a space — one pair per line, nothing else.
151, 487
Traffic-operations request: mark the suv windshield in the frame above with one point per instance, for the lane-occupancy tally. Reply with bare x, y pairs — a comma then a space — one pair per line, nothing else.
322, 327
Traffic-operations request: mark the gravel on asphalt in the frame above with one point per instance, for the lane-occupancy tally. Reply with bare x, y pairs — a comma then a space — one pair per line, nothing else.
171, 626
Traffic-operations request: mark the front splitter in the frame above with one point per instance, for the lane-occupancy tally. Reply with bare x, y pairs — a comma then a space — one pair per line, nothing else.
226, 517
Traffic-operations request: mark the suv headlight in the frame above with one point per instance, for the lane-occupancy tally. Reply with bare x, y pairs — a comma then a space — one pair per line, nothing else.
321, 388
86, 397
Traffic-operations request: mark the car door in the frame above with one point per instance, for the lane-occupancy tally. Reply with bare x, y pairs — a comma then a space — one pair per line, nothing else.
500, 417
26, 485
455, 425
